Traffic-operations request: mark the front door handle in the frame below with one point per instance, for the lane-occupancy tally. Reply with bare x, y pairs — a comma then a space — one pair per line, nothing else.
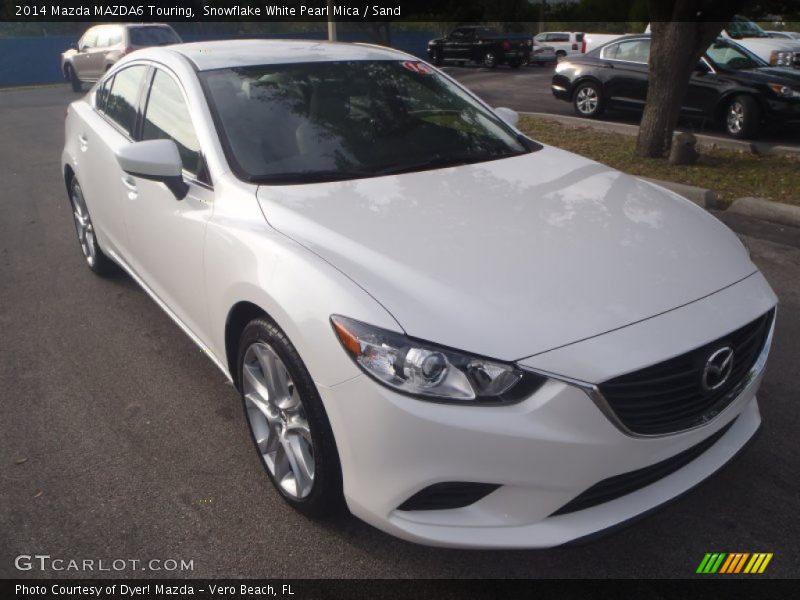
130, 184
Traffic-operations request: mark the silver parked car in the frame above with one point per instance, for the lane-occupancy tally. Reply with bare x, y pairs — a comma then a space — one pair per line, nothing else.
103, 45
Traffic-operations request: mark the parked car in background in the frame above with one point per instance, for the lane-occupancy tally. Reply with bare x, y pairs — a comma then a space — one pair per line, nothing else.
103, 45
595, 40
468, 338
777, 52
788, 35
485, 45
565, 43
542, 55
731, 85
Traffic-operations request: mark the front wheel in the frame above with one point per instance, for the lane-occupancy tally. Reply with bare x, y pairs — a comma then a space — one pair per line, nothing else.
742, 117
287, 421
588, 100
490, 60
98, 262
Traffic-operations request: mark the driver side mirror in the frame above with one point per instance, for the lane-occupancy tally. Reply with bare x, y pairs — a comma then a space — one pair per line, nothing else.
508, 115
156, 160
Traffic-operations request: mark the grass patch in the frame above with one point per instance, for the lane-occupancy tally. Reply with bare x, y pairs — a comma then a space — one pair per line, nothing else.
731, 174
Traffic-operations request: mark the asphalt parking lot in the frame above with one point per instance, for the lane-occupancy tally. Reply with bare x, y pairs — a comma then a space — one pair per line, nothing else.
528, 89
120, 439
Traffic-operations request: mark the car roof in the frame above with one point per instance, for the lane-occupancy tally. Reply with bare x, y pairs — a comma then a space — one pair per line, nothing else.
239, 53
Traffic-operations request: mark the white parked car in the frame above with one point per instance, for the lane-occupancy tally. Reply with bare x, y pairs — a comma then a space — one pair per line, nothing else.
787, 35
565, 43
469, 338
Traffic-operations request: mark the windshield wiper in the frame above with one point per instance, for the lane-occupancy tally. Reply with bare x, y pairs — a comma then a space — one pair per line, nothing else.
442, 162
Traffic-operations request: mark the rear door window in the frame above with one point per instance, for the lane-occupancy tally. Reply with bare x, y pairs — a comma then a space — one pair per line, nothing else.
122, 103
152, 36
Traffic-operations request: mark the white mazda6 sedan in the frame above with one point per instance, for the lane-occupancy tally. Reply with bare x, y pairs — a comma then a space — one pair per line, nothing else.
463, 336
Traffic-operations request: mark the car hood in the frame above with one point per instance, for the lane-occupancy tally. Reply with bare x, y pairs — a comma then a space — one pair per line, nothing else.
783, 75
763, 47
513, 257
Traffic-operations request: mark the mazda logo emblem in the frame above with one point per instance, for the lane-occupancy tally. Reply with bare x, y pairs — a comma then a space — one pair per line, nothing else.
718, 368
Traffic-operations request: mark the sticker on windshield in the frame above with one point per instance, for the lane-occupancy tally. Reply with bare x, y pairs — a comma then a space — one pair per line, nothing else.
418, 67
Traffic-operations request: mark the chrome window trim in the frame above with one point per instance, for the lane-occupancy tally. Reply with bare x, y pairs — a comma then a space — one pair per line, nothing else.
593, 391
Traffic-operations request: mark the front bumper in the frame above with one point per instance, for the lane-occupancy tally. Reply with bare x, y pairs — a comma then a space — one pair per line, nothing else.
542, 452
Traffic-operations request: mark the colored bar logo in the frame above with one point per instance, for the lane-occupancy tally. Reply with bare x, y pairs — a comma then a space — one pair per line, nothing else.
734, 562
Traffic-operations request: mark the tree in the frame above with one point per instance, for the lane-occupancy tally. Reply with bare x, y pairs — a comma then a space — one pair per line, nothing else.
681, 31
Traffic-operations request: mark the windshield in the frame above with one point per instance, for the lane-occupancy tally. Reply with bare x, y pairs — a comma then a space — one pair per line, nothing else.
728, 56
153, 36
742, 28
326, 121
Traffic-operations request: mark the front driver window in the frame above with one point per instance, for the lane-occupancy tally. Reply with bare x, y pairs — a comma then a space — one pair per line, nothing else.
167, 118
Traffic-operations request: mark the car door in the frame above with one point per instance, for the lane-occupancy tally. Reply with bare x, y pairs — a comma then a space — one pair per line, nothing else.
704, 91
96, 56
82, 61
110, 125
453, 48
167, 235
627, 84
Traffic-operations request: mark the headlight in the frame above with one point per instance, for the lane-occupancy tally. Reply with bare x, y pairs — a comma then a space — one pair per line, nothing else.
781, 58
563, 66
429, 371
784, 91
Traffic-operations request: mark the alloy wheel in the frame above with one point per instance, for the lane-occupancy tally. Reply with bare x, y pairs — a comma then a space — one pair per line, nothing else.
83, 226
735, 117
587, 100
278, 421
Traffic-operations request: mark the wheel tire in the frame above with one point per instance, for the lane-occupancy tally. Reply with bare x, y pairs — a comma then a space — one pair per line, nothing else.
742, 117
436, 58
515, 64
560, 55
76, 84
489, 60
98, 262
263, 338
588, 100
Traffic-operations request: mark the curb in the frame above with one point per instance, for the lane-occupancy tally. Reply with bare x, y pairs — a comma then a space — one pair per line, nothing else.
703, 140
766, 210
703, 197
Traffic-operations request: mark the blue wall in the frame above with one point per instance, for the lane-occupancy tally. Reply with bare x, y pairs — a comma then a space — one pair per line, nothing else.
36, 60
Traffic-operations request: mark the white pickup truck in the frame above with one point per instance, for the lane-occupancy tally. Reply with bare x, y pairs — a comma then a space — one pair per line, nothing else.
777, 52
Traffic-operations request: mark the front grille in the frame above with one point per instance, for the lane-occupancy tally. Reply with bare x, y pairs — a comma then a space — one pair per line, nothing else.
627, 483
668, 397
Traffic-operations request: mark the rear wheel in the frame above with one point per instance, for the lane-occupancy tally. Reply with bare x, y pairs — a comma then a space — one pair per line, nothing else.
588, 100
515, 63
490, 60
742, 117
72, 77
98, 262
436, 57
287, 421
560, 55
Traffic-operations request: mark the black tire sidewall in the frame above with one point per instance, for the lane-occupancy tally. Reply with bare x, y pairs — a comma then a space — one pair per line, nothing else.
326, 496
103, 266
73, 79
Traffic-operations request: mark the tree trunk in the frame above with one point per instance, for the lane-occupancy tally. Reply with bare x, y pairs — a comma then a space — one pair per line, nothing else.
681, 32
672, 59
